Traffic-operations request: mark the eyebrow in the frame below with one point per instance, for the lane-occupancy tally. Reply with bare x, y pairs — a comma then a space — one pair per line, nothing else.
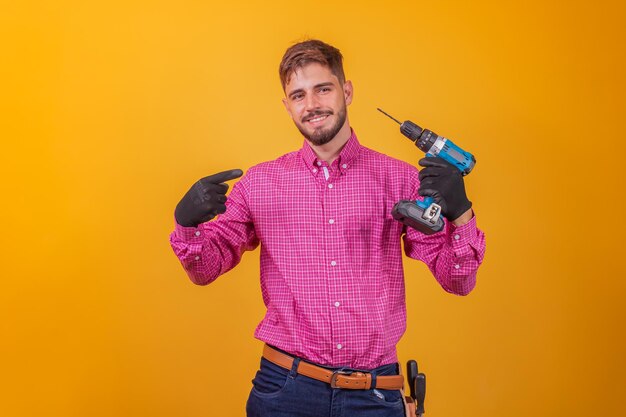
300, 90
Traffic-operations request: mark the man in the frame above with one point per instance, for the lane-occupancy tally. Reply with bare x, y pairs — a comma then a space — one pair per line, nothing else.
331, 257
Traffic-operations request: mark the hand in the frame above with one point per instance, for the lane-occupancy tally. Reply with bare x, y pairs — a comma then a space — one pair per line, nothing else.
205, 199
444, 182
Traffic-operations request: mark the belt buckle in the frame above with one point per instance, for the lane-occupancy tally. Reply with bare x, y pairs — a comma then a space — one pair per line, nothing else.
333, 377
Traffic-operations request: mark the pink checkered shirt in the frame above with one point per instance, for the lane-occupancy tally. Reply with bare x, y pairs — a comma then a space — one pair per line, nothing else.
331, 257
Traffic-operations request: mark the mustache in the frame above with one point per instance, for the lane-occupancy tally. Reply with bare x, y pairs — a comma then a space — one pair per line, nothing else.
316, 113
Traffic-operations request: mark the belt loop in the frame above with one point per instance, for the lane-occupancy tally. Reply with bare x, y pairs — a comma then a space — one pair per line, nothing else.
294, 368
373, 373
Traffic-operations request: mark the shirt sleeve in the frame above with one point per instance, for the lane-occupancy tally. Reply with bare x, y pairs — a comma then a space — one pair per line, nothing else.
215, 247
452, 255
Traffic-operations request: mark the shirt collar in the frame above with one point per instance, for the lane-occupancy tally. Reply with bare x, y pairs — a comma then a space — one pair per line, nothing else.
347, 154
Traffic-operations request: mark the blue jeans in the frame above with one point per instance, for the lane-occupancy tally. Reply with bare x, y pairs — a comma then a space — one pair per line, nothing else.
278, 392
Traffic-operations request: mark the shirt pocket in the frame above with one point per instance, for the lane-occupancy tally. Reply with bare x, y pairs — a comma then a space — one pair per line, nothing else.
364, 239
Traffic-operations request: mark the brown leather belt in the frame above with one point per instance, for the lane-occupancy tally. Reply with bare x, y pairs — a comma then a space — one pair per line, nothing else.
336, 379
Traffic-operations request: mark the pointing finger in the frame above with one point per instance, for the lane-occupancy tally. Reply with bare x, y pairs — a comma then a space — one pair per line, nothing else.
223, 176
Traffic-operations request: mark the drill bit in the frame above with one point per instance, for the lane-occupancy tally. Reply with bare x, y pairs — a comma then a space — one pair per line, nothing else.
391, 117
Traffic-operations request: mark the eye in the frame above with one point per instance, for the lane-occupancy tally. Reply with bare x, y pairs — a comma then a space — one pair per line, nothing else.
324, 89
297, 97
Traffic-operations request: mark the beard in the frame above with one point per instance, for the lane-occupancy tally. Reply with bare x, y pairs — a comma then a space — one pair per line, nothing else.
321, 136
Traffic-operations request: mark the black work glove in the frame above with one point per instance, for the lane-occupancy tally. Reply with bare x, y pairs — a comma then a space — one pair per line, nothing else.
444, 182
205, 199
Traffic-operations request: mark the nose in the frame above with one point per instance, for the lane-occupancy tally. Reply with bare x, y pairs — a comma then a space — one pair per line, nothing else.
311, 102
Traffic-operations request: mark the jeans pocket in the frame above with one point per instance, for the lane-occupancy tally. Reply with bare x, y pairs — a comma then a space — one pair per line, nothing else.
390, 397
270, 380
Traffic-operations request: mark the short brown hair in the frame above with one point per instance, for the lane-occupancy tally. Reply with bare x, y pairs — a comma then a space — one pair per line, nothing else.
304, 53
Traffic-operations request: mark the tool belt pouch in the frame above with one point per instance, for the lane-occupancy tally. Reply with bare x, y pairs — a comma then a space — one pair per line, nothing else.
409, 406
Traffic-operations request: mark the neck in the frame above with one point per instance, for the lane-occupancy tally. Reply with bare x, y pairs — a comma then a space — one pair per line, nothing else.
330, 151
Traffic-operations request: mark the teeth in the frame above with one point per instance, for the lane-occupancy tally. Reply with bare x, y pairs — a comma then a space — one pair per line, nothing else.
317, 119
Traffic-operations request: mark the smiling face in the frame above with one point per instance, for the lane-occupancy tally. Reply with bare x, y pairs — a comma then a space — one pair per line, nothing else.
317, 101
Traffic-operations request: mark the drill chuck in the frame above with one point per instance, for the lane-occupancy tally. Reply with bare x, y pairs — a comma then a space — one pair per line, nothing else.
411, 130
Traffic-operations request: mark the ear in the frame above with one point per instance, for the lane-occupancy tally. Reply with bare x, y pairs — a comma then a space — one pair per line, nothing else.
348, 92
286, 104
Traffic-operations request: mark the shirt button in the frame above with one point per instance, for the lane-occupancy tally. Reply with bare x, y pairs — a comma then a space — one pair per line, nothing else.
457, 266
333, 263
339, 346
198, 233
457, 237
314, 170
196, 258
337, 303
331, 221
330, 186
319, 164
344, 166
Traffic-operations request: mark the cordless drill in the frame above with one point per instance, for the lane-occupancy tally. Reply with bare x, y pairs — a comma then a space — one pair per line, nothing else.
425, 215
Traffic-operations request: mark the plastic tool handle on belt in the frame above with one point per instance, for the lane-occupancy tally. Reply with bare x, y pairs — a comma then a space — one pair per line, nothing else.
420, 392
411, 374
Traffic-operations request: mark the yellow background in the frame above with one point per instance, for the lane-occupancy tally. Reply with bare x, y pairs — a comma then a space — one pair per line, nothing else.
110, 110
